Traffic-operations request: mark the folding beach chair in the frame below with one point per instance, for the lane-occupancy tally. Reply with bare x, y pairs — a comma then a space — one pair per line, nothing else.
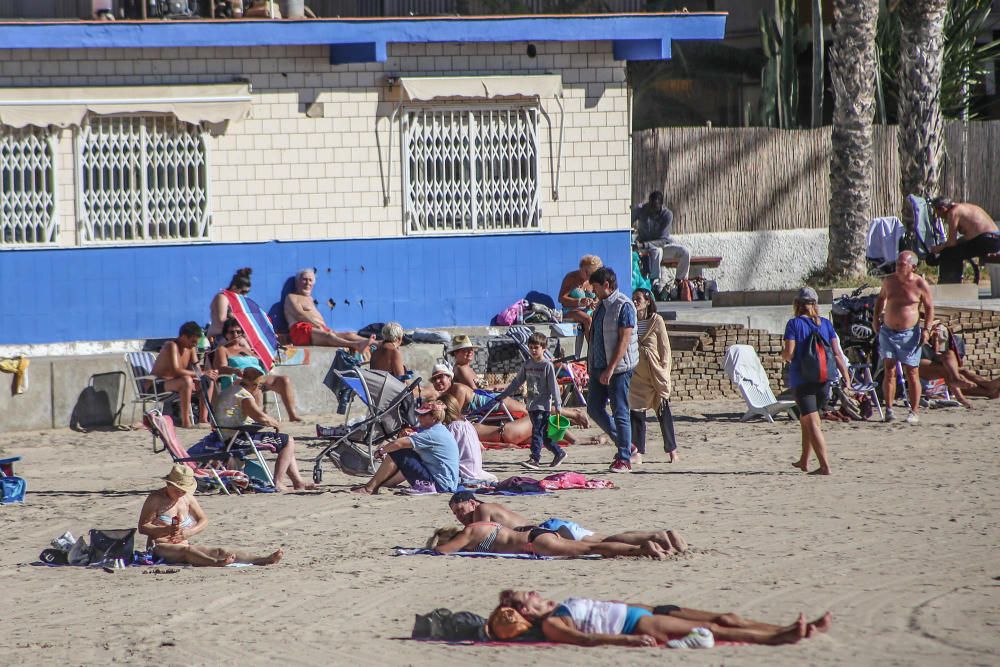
862, 382
148, 388
390, 406
744, 369
207, 476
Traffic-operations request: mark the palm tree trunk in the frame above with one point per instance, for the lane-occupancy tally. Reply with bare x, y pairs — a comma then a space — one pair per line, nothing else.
921, 128
852, 74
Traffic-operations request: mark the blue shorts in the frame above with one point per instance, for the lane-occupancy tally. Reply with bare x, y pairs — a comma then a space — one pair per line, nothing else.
902, 346
567, 529
632, 616
411, 466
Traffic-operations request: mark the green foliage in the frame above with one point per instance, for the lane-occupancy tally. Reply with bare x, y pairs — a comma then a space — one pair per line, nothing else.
965, 60
782, 41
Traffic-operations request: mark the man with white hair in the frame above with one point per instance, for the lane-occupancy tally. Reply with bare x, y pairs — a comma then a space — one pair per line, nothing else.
306, 325
904, 294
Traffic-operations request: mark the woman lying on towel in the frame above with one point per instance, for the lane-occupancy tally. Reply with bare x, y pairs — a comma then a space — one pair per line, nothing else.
492, 538
597, 623
171, 515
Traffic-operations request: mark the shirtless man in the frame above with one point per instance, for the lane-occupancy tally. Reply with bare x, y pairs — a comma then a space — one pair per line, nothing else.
468, 509
306, 325
443, 383
979, 236
900, 337
174, 366
464, 350
171, 515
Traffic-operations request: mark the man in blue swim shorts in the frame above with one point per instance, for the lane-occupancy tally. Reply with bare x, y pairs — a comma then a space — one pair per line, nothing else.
904, 295
469, 509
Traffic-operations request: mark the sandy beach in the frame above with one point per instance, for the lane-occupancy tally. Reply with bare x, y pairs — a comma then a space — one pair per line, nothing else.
900, 544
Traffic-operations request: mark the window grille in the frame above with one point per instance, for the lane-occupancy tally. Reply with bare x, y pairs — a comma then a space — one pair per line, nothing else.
471, 169
27, 187
143, 178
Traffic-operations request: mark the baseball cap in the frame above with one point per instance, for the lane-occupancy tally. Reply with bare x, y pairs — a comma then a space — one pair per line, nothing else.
806, 295
442, 369
429, 407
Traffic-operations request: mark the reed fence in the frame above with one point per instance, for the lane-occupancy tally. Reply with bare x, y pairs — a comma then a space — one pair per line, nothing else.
750, 179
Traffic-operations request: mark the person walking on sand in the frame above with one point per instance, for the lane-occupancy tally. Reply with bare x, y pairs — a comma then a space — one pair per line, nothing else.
650, 388
900, 337
171, 516
810, 397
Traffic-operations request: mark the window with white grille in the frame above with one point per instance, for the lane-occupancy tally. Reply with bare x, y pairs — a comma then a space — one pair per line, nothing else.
27, 187
471, 169
142, 178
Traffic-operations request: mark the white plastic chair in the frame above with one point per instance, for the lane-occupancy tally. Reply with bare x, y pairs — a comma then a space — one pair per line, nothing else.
744, 370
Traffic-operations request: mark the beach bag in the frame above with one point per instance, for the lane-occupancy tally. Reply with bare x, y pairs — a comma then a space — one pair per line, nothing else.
12, 489
443, 624
685, 290
512, 314
108, 545
816, 358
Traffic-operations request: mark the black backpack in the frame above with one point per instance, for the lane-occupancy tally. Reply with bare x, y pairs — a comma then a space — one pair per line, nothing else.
443, 624
816, 358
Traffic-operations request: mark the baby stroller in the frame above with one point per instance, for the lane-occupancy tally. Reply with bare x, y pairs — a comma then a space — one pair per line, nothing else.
570, 373
390, 410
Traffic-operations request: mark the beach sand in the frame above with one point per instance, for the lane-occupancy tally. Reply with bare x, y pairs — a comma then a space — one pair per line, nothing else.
900, 544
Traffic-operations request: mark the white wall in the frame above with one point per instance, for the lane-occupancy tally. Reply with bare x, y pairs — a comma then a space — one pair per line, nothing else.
760, 260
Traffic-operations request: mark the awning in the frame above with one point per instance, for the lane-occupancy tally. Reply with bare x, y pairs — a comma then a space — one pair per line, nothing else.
426, 89
66, 107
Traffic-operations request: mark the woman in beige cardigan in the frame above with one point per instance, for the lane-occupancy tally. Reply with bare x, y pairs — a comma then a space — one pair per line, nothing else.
650, 387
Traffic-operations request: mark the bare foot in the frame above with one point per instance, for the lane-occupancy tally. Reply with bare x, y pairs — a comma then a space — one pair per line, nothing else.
791, 634
663, 541
363, 490
820, 471
653, 550
273, 559
296, 418
800, 465
673, 457
306, 486
821, 624
677, 541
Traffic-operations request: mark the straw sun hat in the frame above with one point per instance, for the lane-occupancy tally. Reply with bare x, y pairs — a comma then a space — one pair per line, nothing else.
183, 478
461, 342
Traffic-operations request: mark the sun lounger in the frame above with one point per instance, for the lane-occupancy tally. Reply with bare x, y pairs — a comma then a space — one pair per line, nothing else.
743, 368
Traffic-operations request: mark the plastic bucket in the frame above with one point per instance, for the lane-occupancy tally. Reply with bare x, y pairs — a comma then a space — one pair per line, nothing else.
558, 425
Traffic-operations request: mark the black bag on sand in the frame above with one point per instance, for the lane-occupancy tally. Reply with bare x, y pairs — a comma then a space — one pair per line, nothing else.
108, 545
443, 624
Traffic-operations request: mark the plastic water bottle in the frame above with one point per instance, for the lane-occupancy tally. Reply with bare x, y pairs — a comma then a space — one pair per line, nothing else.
202, 345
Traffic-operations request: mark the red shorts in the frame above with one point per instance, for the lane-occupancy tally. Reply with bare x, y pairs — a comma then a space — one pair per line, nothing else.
301, 333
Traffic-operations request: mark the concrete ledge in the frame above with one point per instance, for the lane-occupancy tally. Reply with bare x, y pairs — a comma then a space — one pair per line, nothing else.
940, 293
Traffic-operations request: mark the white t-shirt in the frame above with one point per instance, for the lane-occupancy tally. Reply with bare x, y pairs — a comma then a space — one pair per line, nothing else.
594, 616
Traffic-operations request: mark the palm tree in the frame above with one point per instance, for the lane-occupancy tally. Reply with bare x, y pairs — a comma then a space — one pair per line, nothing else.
921, 128
852, 75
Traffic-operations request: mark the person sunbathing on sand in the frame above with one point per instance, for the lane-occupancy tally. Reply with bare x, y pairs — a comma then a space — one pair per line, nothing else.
172, 515
488, 537
469, 510
585, 622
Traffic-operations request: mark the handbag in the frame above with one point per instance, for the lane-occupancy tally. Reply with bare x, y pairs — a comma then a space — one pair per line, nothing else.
108, 545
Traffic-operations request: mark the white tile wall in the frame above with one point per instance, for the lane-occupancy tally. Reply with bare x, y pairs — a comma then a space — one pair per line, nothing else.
282, 175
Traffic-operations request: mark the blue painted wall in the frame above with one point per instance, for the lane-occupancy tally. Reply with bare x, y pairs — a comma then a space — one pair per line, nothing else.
61, 295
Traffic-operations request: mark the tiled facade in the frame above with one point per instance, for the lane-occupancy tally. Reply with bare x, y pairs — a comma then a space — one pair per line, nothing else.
282, 175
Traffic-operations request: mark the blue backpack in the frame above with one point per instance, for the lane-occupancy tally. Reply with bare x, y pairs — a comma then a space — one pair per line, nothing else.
12, 489
816, 357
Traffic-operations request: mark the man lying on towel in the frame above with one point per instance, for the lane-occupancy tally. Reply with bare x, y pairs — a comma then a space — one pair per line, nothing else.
469, 510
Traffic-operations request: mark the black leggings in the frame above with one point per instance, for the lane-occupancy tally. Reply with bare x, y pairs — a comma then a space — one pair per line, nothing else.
666, 419
952, 259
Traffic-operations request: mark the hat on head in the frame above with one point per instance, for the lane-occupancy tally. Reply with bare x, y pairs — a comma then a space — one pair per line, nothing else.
807, 295
442, 369
182, 477
429, 407
461, 342
507, 623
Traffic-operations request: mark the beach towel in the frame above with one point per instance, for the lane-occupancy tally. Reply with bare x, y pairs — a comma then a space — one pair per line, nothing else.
257, 327
489, 444
574, 480
405, 551
520, 485
292, 356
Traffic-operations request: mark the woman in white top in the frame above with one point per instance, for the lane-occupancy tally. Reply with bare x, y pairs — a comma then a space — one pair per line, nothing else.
470, 449
587, 622
236, 406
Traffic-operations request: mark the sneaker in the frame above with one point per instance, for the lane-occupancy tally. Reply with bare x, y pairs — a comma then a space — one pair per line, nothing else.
420, 488
558, 458
912, 418
889, 416
620, 466
697, 638
531, 464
